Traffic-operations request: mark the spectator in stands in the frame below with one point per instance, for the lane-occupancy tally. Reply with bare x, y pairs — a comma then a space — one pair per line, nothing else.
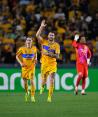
19, 19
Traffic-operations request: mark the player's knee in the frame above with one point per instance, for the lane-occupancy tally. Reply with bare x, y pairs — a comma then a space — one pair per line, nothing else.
51, 80
32, 82
52, 75
25, 81
80, 74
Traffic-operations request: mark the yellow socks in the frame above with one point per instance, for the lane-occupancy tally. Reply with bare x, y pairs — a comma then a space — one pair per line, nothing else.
50, 94
26, 87
32, 90
50, 91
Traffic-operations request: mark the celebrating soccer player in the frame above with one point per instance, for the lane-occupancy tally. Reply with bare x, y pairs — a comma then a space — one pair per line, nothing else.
27, 57
83, 56
49, 53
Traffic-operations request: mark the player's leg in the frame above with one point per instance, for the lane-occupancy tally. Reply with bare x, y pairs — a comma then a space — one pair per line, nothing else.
44, 79
32, 90
44, 75
25, 77
31, 77
84, 79
25, 85
26, 89
83, 86
80, 76
51, 88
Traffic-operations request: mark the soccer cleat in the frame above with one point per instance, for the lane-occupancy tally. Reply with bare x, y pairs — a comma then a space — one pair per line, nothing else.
27, 96
49, 99
76, 91
32, 99
41, 90
83, 92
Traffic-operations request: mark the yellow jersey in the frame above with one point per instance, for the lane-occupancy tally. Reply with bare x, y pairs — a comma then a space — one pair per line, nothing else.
50, 48
27, 55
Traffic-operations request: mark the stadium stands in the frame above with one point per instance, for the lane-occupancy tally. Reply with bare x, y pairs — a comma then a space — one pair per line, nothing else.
19, 19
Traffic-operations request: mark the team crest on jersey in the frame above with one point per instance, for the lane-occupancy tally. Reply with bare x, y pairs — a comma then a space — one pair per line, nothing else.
47, 48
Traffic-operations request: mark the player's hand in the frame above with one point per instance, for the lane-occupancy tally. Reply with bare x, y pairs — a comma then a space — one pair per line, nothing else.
23, 65
43, 24
88, 62
76, 37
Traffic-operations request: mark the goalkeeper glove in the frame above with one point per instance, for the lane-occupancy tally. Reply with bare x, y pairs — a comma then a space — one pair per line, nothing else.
88, 62
76, 37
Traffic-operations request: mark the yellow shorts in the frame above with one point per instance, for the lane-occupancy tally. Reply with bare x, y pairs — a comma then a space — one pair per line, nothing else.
48, 68
28, 73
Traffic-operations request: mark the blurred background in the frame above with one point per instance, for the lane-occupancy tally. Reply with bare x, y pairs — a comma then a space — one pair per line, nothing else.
21, 18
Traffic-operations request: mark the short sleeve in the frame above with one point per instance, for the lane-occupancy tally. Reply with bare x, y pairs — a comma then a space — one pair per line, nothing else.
35, 50
43, 41
57, 49
19, 52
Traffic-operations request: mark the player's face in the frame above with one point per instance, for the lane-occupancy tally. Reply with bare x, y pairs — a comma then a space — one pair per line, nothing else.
83, 40
51, 36
29, 42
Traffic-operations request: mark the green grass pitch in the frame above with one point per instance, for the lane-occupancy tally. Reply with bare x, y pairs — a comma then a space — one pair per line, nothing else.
63, 105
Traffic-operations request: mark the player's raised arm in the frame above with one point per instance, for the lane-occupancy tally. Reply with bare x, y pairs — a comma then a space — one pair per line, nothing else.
74, 43
38, 34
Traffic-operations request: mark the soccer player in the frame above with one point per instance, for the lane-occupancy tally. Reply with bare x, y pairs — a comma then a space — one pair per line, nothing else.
27, 57
50, 51
83, 56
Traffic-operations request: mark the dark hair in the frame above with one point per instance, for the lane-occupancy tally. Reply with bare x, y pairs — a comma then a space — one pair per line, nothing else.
52, 32
81, 37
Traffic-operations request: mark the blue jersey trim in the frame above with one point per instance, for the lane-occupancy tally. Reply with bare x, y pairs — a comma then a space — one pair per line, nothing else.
48, 48
27, 55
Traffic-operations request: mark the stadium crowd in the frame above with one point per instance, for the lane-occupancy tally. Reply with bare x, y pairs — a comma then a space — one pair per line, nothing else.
21, 18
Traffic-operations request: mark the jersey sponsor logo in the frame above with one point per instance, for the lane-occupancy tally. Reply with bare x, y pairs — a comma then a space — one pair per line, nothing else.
27, 55
48, 48
61, 83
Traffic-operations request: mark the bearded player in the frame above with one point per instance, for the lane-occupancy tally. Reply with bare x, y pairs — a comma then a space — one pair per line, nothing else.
50, 51
83, 56
27, 57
